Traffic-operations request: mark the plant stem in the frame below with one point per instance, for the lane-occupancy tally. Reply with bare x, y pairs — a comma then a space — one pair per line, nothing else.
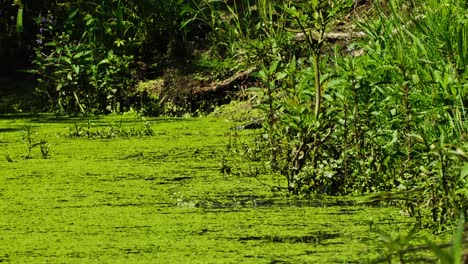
318, 88
408, 120
79, 104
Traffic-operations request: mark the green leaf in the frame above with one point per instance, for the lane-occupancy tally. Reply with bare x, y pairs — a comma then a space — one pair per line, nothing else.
415, 78
292, 64
119, 42
104, 61
76, 69
51, 44
464, 172
273, 67
394, 139
280, 76
437, 76
292, 11
328, 97
78, 55
19, 20
65, 59
87, 17
89, 21
73, 14
262, 75
314, 3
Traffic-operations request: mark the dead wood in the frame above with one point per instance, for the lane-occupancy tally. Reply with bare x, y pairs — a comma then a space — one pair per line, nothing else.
226, 84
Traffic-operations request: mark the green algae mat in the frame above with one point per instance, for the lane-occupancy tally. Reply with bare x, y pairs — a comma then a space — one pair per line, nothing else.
104, 191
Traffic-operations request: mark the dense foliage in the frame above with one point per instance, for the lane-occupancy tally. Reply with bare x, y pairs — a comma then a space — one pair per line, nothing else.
383, 113
88, 56
387, 115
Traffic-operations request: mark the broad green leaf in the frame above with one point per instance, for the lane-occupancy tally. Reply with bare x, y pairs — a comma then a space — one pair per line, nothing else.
73, 14
87, 17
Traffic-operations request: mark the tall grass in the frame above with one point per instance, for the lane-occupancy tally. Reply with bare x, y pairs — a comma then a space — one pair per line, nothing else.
422, 66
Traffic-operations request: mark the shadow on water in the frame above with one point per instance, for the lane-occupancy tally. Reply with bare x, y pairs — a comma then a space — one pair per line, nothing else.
311, 238
36, 118
279, 261
11, 129
50, 118
18, 116
252, 201
167, 181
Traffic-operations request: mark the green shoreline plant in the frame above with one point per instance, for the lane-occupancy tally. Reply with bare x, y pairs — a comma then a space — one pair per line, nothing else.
112, 130
391, 122
31, 143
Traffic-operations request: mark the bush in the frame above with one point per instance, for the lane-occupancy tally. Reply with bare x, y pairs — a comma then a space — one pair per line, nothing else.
391, 121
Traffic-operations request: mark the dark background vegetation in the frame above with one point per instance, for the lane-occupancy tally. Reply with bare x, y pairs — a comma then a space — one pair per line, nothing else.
358, 97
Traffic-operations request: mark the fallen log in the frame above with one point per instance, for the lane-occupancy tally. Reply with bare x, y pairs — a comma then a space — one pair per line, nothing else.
226, 84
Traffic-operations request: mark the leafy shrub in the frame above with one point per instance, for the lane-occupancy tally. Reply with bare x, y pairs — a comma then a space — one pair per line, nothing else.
390, 121
78, 77
91, 55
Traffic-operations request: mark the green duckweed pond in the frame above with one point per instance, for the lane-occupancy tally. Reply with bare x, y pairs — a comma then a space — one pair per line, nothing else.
162, 199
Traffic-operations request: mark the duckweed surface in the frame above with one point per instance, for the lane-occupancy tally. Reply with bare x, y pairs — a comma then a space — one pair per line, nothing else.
161, 199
